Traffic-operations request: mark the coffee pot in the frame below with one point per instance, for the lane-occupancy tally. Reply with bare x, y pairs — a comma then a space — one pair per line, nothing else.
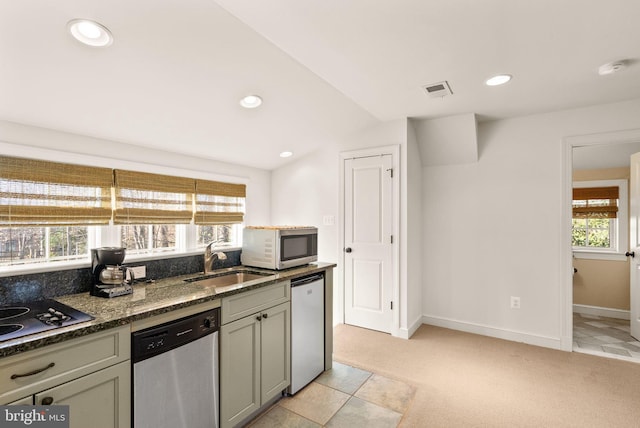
114, 275
109, 276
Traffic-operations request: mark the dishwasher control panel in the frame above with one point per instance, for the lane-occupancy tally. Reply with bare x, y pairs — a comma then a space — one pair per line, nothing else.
164, 337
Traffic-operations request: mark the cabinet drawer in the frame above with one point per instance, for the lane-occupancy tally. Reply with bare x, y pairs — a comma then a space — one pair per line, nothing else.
247, 303
63, 362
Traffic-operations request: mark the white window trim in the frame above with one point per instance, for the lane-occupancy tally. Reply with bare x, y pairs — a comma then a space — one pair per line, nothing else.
622, 235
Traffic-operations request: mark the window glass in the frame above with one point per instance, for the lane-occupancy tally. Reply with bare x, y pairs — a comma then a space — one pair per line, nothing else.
140, 239
28, 245
164, 236
592, 233
68, 241
220, 234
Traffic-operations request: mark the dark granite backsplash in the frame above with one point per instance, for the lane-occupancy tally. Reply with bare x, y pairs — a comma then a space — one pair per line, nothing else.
49, 285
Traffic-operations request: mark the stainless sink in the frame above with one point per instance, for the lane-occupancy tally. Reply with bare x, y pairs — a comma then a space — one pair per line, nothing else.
228, 278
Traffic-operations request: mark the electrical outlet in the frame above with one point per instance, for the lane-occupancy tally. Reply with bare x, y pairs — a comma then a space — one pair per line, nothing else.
139, 271
515, 302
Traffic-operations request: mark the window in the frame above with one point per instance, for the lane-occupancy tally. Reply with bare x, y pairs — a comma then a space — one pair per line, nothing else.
26, 245
143, 198
599, 224
147, 239
51, 211
223, 235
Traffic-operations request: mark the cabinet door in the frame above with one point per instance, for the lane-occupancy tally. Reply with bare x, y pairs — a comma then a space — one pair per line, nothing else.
239, 370
276, 350
26, 401
98, 400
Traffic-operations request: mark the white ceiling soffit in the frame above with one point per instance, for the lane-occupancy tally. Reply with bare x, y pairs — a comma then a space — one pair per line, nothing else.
448, 140
174, 75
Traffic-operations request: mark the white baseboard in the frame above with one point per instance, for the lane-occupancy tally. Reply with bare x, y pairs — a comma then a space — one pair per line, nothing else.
500, 333
406, 333
602, 312
415, 326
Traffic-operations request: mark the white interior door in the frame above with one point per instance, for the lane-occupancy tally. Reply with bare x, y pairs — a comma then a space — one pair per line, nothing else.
368, 257
634, 241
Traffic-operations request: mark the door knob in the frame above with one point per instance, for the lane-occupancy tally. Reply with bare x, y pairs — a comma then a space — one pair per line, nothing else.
631, 254
347, 250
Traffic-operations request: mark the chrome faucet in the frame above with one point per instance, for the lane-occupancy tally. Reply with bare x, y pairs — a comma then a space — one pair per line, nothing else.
210, 257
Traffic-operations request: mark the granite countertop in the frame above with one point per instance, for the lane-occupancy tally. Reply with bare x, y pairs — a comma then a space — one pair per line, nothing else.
147, 300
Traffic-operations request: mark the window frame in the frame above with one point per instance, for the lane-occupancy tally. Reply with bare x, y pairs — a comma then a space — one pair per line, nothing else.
620, 234
109, 235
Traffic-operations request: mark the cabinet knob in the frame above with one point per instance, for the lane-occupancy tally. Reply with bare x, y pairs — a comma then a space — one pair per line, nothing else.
47, 401
265, 315
259, 318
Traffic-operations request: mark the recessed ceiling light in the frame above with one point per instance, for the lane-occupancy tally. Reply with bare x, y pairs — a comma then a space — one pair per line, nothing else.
286, 154
90, 32
612, 67
251, 101
500, 79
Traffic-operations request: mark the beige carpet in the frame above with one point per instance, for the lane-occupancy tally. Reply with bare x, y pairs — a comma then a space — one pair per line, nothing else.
465, 380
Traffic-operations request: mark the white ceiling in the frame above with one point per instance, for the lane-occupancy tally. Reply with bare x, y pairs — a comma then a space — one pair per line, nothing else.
604, 156
326, 68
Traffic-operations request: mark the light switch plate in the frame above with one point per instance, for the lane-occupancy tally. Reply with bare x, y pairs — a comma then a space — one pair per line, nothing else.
328, 220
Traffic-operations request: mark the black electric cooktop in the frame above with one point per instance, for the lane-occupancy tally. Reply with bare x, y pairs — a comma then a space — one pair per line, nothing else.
34, 317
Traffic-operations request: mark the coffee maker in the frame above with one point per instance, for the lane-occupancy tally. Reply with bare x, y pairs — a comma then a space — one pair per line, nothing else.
108, 275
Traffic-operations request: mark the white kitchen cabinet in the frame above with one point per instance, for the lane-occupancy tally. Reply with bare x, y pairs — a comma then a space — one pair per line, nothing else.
255, 354
98, 400
91, 374
27, 401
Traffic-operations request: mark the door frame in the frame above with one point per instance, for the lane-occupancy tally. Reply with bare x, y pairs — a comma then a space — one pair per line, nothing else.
394, 151
566, 272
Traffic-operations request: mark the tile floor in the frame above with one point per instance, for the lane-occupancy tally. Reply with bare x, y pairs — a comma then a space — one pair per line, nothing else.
602, 335
344, 396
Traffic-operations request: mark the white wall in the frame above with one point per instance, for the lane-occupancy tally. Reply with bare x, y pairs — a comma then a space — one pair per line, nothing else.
306, 189
28, 141
493, 229
411, 227
304, 192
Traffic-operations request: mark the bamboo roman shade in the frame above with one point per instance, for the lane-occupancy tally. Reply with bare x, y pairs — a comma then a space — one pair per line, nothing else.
144, 198
36, 192
43, 193
595, 202
219, 203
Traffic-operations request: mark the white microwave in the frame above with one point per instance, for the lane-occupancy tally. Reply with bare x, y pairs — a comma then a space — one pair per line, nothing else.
279, 247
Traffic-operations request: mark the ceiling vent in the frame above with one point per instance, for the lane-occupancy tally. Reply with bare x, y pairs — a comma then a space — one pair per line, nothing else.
438, 90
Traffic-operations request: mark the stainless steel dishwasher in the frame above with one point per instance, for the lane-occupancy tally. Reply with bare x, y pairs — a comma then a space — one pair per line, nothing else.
175, 373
